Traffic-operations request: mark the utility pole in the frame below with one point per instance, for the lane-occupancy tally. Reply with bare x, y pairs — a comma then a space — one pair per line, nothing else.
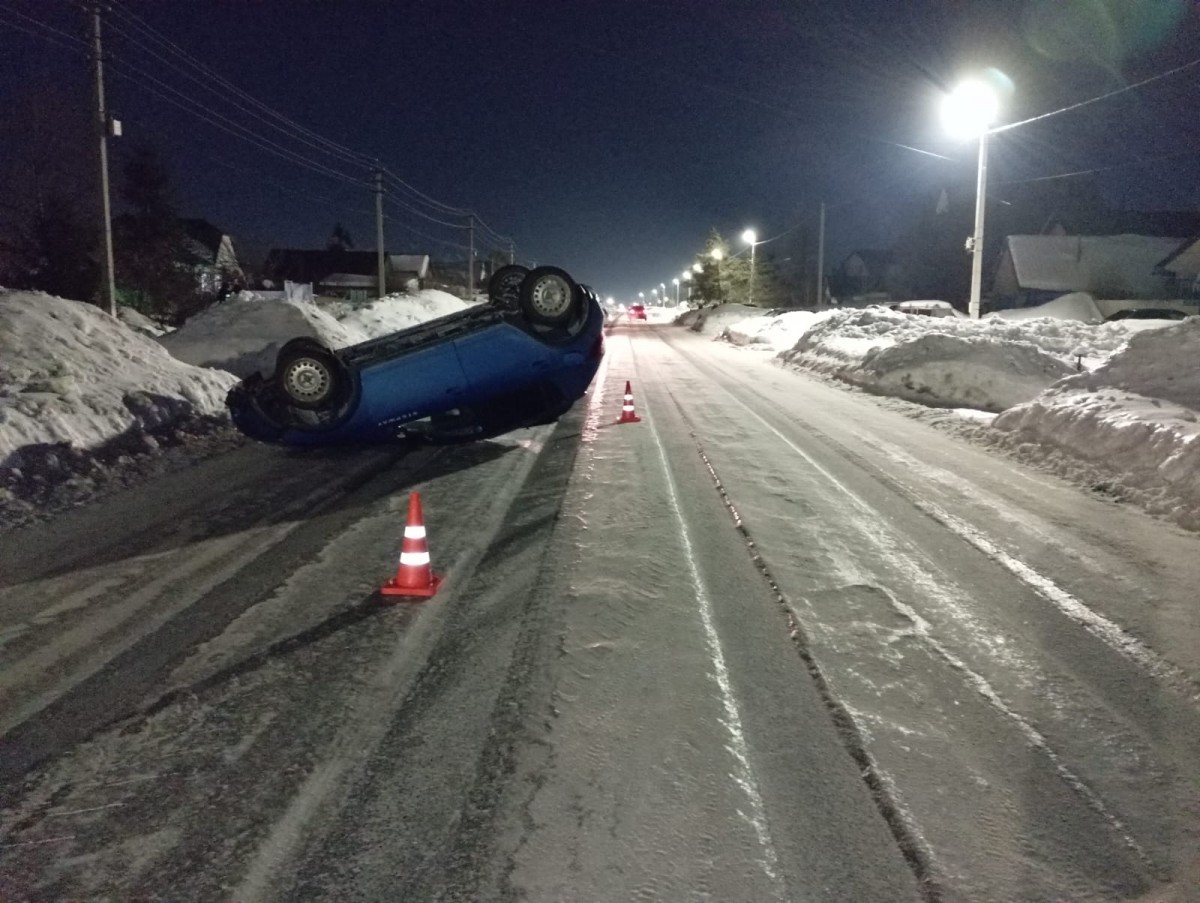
512, 252
821, 260
109, 287
471, 258
380, 263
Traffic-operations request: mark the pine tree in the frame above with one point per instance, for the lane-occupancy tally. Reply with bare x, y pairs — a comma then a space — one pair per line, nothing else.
708, 285
53, 252
154, 268
339, 239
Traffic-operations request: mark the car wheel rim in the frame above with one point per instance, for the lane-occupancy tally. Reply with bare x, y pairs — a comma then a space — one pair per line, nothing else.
307, 381
551, 296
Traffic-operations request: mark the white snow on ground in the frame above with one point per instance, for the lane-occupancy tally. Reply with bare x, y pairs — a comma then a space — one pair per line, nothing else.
69, 373
1117, 403
1108, 404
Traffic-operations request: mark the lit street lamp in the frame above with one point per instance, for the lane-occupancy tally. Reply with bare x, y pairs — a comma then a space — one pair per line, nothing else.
967, 112
750, 237
676, 281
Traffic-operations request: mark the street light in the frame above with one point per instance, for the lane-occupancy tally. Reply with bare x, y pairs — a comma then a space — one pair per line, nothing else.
750, 237
676, 281
967, 112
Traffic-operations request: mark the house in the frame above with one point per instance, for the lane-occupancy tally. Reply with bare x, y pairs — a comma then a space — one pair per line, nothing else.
1182, 269
407, 272
1034, 269
353, 275
214, 260
867, 276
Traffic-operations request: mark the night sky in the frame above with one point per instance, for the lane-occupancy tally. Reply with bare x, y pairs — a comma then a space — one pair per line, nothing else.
609, 137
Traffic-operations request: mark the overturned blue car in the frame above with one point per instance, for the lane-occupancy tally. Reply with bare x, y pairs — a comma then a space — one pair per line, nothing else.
522, 359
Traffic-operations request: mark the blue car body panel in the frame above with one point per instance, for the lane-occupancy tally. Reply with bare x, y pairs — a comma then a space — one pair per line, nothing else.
485, 366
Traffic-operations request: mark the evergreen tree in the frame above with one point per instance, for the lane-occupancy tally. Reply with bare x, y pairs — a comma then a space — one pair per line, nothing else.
708, 286
339, 239
54, 251
154, 268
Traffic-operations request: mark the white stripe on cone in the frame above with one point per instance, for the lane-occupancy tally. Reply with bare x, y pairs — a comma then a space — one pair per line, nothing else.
414, 532
414, 559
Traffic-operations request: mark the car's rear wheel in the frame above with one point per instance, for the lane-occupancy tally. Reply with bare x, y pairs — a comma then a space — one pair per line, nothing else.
504, 288
550, 297
309, 376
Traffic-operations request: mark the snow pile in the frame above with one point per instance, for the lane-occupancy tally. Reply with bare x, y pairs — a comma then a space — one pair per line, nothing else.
136, 320
69, 373
1079, 306
779, 332
1136, 415
988, 364
244, 334
952, 371
713, 320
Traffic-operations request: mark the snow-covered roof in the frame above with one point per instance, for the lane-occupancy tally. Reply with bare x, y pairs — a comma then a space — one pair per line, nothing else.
410, 263
1124, 264
1184, 261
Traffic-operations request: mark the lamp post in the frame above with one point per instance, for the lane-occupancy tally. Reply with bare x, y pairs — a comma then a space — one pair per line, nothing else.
968, 111
686, 276
676, 281
750, 237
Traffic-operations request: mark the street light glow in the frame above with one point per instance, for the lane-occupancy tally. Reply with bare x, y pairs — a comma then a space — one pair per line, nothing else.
696, 268
967, 112
717, 254
750, 237
969, 109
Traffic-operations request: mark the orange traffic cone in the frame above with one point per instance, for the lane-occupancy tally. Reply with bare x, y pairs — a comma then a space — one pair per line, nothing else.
627, 413
414, 576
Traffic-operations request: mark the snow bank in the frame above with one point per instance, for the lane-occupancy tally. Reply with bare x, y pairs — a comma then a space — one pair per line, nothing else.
1135, 417
713, 320
951, 371
1079, 306
244, 334
69, 373
779, 332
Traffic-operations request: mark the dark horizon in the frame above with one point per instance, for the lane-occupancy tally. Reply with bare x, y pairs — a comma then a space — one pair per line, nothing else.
609, 138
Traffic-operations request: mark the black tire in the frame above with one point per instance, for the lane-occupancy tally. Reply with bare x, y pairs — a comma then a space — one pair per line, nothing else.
308, 376
504, 288
550, 297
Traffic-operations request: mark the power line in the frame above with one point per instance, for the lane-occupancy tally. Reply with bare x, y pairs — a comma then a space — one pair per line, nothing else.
331, 147
295, 136
400, 203
1084, 103
437, 205
227, 125
1088, 172
45, 32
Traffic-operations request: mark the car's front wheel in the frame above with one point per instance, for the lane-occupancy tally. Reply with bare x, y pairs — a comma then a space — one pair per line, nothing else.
550, 297
308, 375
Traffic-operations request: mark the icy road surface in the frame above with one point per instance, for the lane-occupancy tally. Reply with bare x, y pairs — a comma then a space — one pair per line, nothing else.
775, 642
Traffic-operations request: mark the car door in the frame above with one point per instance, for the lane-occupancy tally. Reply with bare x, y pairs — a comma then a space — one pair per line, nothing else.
501, 358
413, 384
